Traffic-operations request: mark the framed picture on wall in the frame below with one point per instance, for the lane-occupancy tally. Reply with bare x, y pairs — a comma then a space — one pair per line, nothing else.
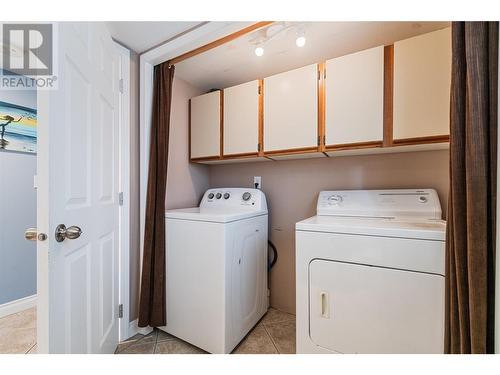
18, 120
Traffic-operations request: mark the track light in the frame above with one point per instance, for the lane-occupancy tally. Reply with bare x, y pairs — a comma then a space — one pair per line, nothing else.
259, 51
301, 38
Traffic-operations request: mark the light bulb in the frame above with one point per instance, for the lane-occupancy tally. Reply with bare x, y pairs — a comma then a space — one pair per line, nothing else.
259, 51
300, 41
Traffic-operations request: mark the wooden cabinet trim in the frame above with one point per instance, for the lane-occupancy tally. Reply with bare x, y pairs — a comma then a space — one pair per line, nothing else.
292, 151
422, 140
261, 117
221, 138
354, 146
388, 94
321, 106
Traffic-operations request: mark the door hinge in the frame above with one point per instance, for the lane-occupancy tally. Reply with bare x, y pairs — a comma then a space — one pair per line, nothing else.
259, 90
324, 140
319, 140
120, 198
258, 147
120, 85
120, 310
319, 75
324, 74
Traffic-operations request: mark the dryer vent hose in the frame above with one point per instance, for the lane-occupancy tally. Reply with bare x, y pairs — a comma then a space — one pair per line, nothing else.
275, 255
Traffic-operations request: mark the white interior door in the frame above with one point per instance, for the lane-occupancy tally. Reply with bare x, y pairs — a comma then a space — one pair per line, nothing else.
78, 186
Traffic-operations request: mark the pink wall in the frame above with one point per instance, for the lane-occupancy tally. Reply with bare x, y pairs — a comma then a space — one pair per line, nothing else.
186, 182
292, 187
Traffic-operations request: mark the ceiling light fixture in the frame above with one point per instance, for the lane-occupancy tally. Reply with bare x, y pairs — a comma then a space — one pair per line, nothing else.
301, 39
259, 51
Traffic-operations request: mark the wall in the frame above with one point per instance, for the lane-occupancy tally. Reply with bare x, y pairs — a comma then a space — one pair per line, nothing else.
292, 187
17, 212
186, 182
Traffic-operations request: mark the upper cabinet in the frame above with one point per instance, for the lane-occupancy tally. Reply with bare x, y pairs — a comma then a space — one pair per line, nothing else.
422, 79
291, 111
205, 125
241, 119
354, 99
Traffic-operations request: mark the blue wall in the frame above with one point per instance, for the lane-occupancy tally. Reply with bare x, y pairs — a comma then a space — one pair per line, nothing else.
17, 212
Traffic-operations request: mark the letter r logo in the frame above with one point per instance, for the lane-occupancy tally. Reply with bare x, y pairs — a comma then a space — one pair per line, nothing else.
27, 49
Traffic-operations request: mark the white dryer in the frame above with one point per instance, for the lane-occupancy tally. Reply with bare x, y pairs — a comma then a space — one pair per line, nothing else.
370, 273
216, 268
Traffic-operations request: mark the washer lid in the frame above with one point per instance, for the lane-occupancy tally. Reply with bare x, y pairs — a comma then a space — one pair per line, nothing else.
375, 226
212, 215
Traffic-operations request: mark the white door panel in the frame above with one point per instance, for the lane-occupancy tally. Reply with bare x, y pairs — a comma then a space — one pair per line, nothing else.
422, 81
205, 125
241, 118
291, 109
363, 309
354, 91
78, 183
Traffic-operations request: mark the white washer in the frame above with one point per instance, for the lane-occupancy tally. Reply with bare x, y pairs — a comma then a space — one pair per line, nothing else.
370, 273
216, 268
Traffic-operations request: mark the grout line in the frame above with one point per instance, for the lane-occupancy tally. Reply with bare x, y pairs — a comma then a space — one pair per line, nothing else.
30, 348
272, 340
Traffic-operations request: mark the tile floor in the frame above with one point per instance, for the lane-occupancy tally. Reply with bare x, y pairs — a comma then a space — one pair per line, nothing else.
274, 334
18, 332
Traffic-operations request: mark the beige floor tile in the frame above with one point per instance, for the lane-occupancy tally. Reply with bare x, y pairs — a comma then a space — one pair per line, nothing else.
256, 342
139, 348
163, 336
150, 337
276, 316
16, 340
177, 346
283, 336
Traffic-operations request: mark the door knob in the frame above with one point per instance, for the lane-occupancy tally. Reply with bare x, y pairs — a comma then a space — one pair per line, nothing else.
71, 233
31, 234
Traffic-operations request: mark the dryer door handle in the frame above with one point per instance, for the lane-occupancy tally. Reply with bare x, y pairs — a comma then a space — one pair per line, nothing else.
324, 308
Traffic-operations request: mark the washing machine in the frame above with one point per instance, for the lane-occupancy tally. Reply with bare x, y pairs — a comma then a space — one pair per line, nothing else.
216, 268
370, 273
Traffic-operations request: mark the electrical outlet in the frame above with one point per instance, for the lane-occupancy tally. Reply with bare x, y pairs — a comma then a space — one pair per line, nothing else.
257, 182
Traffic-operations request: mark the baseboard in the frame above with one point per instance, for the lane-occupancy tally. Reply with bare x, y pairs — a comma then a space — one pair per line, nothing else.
134, 329
17, 305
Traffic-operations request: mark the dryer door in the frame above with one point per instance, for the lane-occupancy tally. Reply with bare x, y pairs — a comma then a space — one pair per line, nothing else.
362, 309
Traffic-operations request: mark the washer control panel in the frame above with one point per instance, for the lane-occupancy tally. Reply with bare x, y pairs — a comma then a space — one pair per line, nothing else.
227, 198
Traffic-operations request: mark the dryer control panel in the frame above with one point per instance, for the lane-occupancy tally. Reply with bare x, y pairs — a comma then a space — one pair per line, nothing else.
234, 198
392, 203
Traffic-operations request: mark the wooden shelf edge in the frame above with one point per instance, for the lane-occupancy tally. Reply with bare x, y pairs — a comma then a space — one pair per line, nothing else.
421, 140
354, 146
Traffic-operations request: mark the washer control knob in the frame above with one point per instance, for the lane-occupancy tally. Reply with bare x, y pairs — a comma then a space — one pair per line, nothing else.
226, 195
211, 196
335, 199
218, 196
246, 196
422, 199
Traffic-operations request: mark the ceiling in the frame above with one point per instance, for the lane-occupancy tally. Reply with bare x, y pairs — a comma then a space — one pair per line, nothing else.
235, 62
141, 36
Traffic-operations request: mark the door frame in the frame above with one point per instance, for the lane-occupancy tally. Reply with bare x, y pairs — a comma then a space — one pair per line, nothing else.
124, 189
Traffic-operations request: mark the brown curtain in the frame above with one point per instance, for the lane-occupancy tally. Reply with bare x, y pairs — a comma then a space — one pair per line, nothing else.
152, 306
470, 240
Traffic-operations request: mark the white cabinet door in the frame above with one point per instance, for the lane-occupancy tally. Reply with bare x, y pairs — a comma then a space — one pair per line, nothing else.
354, 91
291, 109
363, 309
241, 118
205, 125
422, 79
